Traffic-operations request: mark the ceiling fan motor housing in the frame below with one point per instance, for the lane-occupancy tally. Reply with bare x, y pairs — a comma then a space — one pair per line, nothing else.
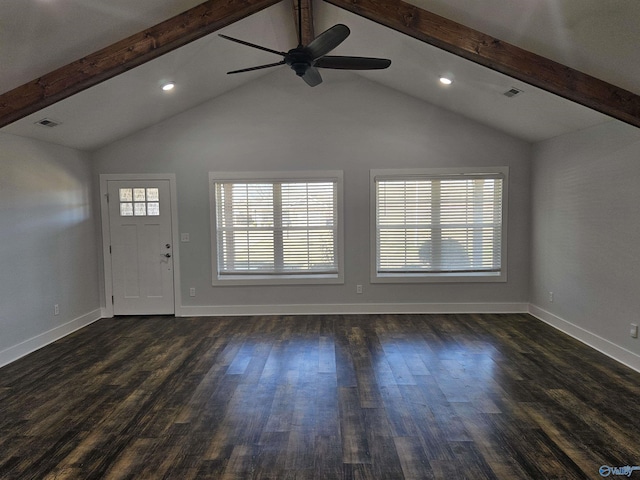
299, 60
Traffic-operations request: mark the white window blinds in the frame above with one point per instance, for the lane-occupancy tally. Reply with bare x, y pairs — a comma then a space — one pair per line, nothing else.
439, 224
276, 227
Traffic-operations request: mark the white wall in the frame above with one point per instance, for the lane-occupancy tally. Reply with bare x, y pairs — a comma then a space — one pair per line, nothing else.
48, 249
279, 123
586, 236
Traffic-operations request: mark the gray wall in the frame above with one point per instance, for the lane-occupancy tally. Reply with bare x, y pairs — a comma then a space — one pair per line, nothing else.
279, 123
586, 235
48, 249
581, 237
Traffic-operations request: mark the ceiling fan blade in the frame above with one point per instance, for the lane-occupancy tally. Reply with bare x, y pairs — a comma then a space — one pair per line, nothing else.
312, 77
327, 41
352, 63
251, 45
259, 67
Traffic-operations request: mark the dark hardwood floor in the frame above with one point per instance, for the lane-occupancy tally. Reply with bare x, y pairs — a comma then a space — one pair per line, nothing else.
318, 397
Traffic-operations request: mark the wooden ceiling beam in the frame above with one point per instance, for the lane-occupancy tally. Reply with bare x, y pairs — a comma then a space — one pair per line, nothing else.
306, 7
499, 56
124, 55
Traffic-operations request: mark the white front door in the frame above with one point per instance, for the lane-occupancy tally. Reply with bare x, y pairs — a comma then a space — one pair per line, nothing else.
141, 247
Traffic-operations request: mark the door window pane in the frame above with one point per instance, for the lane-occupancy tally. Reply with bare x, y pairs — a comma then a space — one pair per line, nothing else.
126, 195
153, 209
152, 195
140, 209
126, 209
138, 194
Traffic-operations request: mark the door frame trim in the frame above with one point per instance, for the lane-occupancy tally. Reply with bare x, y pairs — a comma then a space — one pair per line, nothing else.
106, 235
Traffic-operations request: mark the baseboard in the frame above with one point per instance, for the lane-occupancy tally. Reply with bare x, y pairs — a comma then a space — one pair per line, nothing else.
603, 345
12, 354
350, 308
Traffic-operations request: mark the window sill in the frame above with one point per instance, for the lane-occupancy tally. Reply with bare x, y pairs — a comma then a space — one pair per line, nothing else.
478, 277
240, 280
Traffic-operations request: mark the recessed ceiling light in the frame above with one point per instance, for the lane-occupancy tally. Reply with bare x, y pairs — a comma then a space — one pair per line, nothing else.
445, 81
168, 86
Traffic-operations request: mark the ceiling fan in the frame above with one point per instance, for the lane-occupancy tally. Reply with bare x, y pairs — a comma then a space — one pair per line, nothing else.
305, 60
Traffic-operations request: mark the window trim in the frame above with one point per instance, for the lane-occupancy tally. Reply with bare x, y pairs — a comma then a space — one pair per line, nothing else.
278, 278
432, 277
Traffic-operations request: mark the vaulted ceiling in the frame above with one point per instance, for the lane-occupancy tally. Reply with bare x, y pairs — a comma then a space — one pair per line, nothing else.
583, 51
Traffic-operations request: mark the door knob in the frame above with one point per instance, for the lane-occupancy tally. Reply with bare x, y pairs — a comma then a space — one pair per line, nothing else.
168, 255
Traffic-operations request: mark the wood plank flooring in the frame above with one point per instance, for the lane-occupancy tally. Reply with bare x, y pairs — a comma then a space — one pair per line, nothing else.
318, 397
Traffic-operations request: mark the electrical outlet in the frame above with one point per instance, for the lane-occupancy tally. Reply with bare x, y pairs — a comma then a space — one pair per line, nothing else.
192, 292
358, 288
56, 309
634, 330
550, 297
184, 237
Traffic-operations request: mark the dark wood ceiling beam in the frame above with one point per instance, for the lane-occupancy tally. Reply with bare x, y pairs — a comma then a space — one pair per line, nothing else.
124, 55
306, 7
499, 56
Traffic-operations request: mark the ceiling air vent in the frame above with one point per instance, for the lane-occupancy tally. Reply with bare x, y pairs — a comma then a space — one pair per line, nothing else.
512, 92
48, 122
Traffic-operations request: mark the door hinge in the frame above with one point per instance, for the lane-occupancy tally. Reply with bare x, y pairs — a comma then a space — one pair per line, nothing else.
112, 301
107, 195
109, 249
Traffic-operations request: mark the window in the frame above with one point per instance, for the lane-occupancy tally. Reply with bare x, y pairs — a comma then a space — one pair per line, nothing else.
139, 202
277, 228
439, 225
